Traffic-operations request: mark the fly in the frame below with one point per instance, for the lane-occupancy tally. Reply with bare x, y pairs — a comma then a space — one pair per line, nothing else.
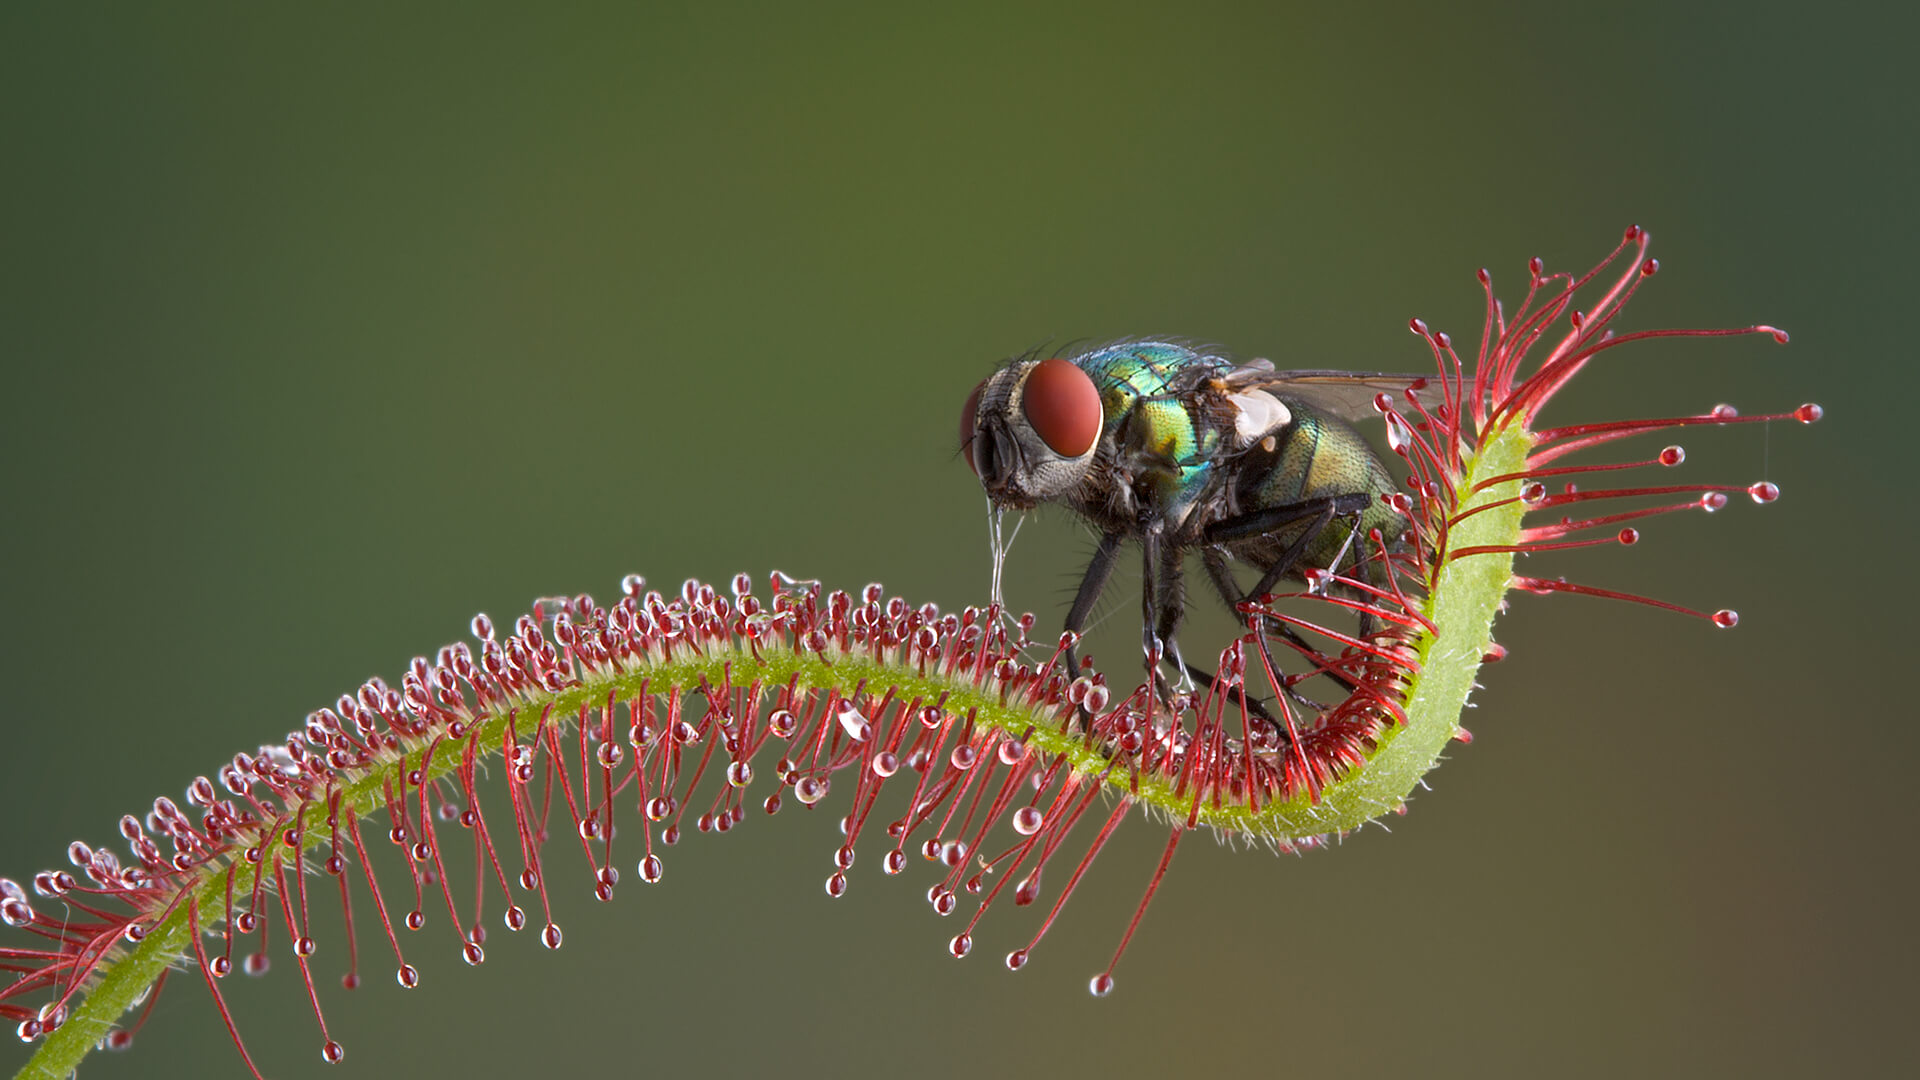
1185, 452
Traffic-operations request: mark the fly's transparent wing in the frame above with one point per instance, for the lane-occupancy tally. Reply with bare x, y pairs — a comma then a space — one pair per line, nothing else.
1346, 394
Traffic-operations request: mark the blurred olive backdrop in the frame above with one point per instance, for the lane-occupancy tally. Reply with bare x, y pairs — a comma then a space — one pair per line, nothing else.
324, 330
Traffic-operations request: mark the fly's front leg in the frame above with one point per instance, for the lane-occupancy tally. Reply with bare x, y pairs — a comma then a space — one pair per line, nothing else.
1172, 607
1150, 543
1092, 583
1159, 575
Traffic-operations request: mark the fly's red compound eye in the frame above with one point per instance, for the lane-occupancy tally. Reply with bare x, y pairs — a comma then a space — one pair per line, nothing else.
968, 426
1063, 407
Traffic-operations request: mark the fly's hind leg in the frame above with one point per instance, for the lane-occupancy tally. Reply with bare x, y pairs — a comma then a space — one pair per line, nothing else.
1229, 591
1318, 514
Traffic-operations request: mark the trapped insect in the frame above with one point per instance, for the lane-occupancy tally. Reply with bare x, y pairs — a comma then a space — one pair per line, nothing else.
1183, 451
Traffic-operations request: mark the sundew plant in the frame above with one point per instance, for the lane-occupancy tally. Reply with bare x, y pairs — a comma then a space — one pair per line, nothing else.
961, 747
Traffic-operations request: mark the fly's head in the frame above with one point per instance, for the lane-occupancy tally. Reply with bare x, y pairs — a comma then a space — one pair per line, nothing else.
1031, 430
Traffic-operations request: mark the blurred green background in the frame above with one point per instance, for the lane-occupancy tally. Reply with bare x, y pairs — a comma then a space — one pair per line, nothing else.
324, 330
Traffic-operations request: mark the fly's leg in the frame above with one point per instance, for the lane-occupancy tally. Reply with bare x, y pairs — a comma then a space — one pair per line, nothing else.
1229, 591
1091, 584
1169, 608
1318, 514
1162, 602
1223, 583
1150, 542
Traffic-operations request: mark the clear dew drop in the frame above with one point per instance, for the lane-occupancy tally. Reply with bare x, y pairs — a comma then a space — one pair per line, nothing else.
1027, 820
1398, 437
854, 722
1726, 618
1763, 492
739, 774
650, 869
894, 862
837, 885
811, 789
960, 946
15, 912
1017, 959
550, 936
885, 764
473, 954
408, 977
1028, 890
332, 1052
1100, 985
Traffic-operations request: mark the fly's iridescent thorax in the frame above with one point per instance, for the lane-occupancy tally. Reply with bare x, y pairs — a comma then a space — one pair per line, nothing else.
1164, 419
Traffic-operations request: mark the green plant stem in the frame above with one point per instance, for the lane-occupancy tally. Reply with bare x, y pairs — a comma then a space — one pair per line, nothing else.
1461, 605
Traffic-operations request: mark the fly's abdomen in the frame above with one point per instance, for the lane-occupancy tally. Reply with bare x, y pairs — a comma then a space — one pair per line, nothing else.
1316, 456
